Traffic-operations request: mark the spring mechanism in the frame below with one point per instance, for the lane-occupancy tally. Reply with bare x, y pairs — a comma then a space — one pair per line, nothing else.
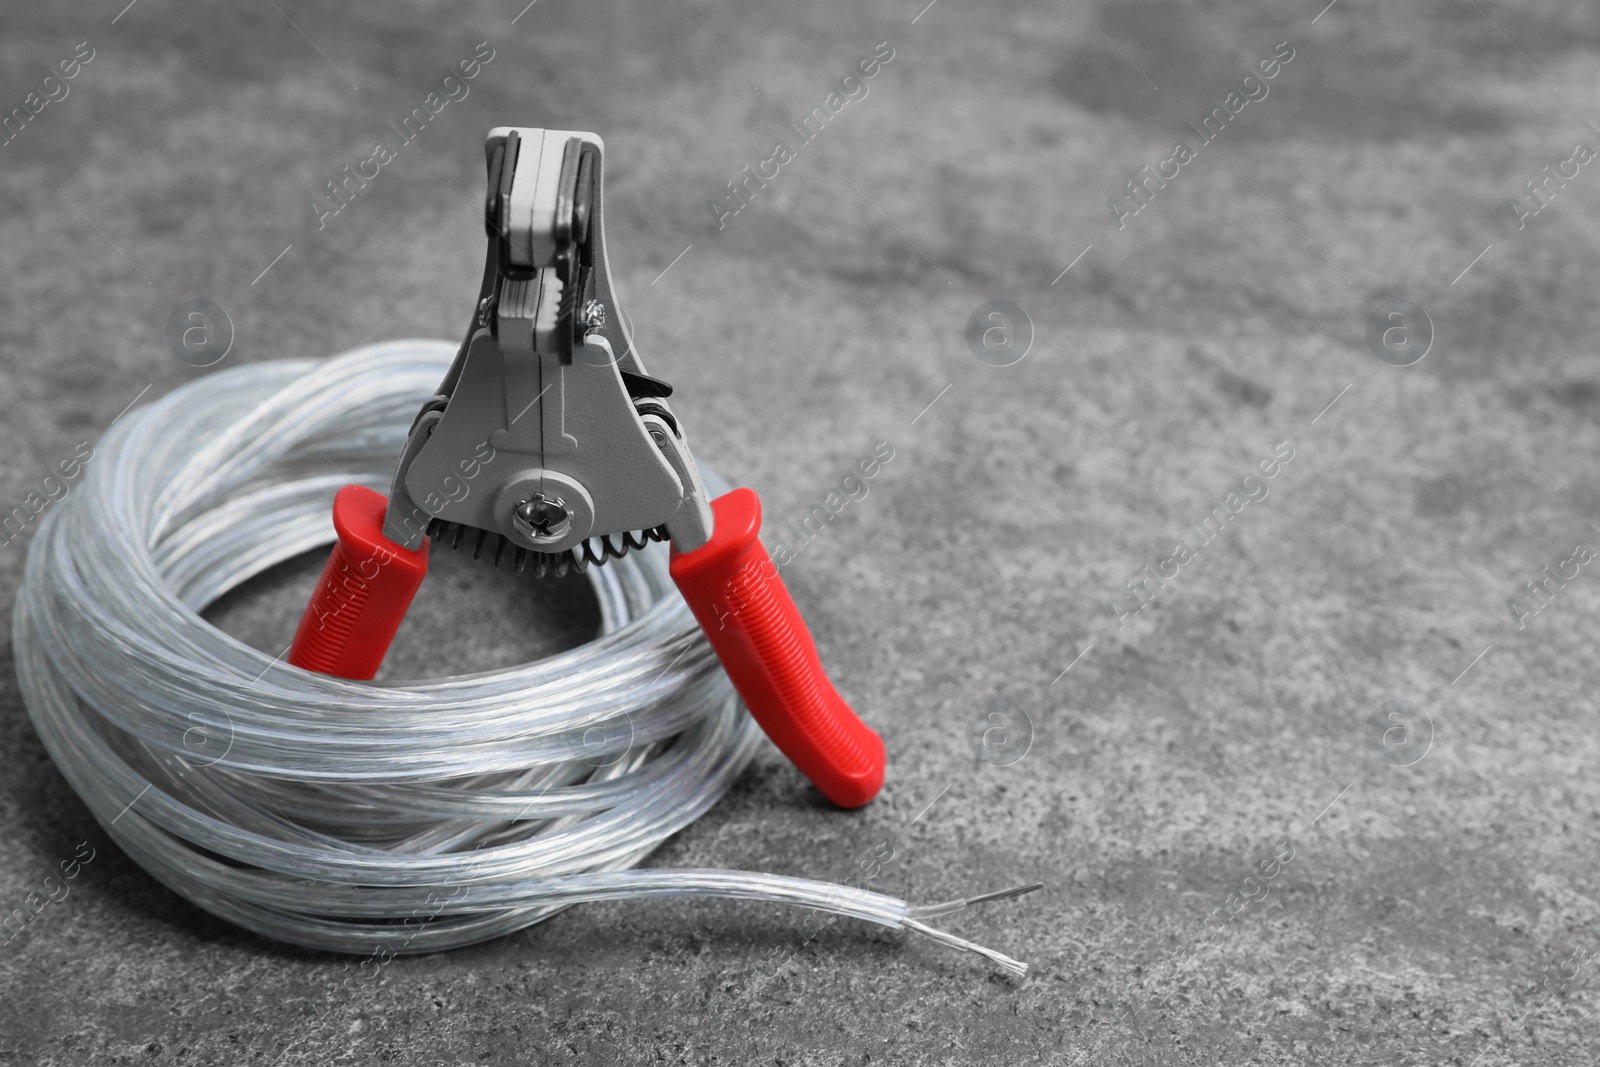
594, 551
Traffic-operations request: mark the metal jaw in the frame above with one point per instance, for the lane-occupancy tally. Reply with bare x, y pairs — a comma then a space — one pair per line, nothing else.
547, 430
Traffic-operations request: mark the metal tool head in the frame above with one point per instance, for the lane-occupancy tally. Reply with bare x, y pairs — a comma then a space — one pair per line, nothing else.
546, 431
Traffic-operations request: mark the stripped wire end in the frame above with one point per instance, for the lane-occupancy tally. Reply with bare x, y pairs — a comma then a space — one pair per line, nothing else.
914, 915
999, 959
934, 911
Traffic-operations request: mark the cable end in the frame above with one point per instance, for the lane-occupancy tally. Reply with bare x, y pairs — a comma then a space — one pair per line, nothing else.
1011, 966
1006, 894
933, 911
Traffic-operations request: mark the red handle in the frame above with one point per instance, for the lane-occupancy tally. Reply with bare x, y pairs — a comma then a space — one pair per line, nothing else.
735, 592
363, 594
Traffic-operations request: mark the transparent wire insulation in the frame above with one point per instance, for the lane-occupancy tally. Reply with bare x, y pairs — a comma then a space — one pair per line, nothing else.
358, 816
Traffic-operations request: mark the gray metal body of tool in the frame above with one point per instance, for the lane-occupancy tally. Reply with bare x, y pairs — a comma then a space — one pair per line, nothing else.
547, 433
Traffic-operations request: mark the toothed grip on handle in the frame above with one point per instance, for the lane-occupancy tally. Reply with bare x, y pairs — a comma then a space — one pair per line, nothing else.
363, 593
740, 602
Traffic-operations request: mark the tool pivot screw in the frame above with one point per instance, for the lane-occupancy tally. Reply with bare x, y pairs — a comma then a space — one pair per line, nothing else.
542, 518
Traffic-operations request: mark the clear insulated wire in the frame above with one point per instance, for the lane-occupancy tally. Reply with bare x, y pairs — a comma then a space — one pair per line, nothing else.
345, 815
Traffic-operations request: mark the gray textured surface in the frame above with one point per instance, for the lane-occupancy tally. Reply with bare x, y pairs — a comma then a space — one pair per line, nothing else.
1429, 909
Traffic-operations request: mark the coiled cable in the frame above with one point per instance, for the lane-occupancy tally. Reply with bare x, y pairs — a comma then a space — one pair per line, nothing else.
357, 816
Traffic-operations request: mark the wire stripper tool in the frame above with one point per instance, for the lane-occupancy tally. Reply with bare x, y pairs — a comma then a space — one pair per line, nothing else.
550, 447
